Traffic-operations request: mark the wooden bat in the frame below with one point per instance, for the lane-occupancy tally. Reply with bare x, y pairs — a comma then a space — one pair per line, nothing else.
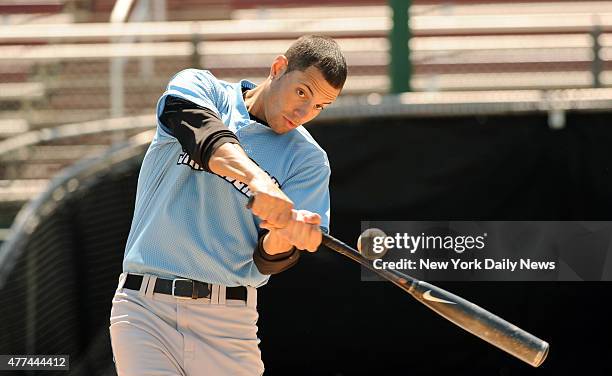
459, 311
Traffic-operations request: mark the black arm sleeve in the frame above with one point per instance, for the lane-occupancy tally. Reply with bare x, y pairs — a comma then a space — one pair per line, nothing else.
198, 129
273, 264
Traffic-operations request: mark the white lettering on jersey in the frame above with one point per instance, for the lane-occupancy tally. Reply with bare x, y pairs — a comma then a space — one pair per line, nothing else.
185, 159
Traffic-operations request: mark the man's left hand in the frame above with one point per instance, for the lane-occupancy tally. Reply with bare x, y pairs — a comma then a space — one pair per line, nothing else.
302, 231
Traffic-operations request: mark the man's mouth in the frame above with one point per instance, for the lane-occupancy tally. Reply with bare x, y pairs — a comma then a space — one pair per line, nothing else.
290, 123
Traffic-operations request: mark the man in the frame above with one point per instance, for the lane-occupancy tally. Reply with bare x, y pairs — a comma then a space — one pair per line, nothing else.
186, 300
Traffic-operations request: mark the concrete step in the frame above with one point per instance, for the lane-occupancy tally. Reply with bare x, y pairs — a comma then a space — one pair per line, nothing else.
13, 127
16, 192
46, 117
53, 153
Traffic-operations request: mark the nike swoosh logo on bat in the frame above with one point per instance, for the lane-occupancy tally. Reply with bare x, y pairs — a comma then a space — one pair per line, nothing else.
427, 296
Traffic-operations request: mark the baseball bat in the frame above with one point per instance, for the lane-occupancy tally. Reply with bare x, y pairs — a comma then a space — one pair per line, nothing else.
465, 314
459, 311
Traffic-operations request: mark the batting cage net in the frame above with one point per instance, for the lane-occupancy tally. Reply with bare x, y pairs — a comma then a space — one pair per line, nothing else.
56, 270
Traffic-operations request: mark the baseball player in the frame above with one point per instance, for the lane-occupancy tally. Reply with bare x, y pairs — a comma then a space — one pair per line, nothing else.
195, 256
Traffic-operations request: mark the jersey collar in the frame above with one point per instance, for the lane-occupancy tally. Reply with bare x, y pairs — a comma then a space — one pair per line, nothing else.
242, 87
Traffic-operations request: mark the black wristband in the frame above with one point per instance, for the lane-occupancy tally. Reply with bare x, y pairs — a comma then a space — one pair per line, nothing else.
273, 264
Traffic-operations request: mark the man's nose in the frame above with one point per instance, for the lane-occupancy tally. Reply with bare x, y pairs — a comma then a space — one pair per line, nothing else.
299, 113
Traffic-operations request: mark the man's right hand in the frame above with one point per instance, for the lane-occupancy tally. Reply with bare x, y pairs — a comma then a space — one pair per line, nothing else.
270, 204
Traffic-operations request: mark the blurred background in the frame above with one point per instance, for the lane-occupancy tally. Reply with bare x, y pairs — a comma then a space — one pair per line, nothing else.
453, 110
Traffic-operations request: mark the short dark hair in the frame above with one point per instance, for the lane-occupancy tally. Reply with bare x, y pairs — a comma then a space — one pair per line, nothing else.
321, 52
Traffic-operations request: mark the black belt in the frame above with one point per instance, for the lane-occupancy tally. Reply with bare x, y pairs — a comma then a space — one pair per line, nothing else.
184, 288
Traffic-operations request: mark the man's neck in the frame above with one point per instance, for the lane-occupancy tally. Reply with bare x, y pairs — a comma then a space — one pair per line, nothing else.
254, 100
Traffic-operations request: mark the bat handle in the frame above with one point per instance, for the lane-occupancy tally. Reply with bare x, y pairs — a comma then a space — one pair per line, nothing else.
403, 281
333, 243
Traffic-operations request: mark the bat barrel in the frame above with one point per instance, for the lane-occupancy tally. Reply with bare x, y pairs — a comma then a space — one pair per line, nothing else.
482, 323
457, 310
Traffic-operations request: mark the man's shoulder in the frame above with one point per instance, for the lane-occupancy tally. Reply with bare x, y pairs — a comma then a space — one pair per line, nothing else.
308, 145
200, 86
203, 76
193, 73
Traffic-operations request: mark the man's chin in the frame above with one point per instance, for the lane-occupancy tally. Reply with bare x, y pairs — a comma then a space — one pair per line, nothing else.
279, 130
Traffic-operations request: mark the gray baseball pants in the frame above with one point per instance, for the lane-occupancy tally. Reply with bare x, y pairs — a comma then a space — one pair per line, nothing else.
159, 335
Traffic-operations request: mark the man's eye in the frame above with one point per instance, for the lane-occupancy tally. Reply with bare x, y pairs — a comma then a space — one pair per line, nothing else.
301, 93
319, 107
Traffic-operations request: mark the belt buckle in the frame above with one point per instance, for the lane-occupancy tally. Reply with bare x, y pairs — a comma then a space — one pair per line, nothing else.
174, 287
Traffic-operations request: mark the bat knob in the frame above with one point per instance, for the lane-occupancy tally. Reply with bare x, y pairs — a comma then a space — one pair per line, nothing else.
369, 244
249, 204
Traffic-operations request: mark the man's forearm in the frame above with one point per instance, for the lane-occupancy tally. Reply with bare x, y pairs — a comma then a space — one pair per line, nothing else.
230, 160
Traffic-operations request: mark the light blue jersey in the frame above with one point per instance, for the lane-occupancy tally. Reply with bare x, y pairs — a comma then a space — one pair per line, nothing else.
193, 224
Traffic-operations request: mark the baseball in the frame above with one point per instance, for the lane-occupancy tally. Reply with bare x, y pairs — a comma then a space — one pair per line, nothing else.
365, 243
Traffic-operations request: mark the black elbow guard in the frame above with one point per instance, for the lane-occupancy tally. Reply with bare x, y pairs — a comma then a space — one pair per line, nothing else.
273, 264
198, 129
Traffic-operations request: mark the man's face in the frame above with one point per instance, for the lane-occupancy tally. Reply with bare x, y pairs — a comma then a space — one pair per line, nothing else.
296, 98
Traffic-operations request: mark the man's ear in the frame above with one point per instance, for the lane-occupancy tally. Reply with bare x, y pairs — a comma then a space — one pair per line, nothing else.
279, 66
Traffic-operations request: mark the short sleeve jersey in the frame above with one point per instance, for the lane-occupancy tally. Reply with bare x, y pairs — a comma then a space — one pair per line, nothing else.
190, 223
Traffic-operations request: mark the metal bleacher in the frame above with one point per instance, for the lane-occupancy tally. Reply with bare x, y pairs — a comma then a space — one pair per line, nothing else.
19, 93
